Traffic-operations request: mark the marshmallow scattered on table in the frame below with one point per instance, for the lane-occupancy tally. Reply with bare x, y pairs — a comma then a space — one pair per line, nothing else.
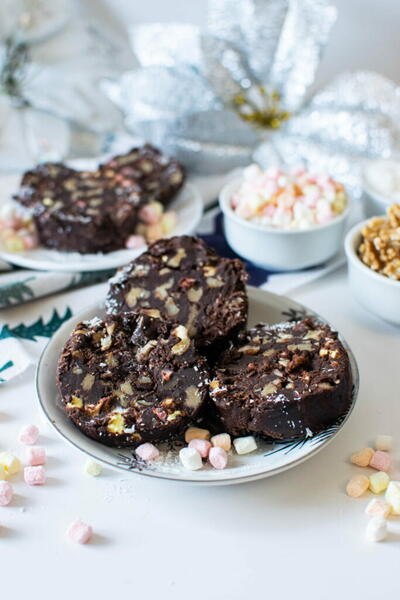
380, 460
218, 457
6, 493
245, 445
190, 459
222, 440
9, 464
35, 475
147, 451
196, 433
29, 435
93, 468
383, 442
378, 482
357, 486
80, 532
363, 457
392, 496
35, 455
378, 508
202, 446
376, 529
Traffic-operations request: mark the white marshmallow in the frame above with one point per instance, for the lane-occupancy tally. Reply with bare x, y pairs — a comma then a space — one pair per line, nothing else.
244, 445
384, 442
376, 529
190, 458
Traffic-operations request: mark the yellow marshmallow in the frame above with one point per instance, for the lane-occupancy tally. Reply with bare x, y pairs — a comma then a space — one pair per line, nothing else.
9, 464
378, 482
93, 468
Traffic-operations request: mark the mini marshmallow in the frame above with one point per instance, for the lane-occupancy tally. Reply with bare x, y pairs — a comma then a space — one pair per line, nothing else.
93, 468
29, 435
245, 445
6, 493
9, 464
376, 529
362, 458
380, 461
147, 451
35, 455
218, 457
378, 482
35, 475
80, 532
202, 447
392, 496
378, 508
222, 440
135, 241
357, 486
196, 433
190, 459
383, 442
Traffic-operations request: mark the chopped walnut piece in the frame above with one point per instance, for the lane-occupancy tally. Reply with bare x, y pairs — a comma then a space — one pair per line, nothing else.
184, 343
380, 246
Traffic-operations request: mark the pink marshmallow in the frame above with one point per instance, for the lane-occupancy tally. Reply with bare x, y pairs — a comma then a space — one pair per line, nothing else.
80, 532
135, 241
150, 214
30, 242
35, 455
35, 475
29, 435
380, 461
202, 446
147, 451
218, 457
6, 493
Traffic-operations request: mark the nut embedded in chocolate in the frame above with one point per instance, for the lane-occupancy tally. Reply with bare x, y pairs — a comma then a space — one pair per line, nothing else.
285, 381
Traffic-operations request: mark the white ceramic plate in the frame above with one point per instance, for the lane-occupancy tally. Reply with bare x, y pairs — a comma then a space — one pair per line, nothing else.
268, 460
188, 204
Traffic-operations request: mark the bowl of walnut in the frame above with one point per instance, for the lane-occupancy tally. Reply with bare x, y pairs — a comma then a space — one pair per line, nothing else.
373, 255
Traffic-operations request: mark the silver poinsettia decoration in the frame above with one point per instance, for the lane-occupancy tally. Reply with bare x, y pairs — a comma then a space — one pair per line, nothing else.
240, 90
52, 57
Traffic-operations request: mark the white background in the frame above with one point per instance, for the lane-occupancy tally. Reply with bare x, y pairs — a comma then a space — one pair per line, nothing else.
294, 535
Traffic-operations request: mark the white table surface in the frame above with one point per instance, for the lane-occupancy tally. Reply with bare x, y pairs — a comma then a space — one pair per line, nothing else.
296, 534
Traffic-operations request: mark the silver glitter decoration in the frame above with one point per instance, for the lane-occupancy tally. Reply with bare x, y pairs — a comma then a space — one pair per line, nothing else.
257, 58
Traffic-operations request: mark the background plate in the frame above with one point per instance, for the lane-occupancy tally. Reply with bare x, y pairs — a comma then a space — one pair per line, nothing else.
268, 460
188, 204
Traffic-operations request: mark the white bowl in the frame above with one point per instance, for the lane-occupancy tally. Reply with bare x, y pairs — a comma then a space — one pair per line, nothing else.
376, 292
280, 249
374, 203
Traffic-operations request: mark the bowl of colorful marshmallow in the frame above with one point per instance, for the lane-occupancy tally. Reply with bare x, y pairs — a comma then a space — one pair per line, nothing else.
284, 220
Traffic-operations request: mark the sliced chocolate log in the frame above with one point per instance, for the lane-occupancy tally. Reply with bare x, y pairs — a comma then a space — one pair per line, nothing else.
80, 211
159, 176
284, 381
183, 281
96, 211
131, 379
